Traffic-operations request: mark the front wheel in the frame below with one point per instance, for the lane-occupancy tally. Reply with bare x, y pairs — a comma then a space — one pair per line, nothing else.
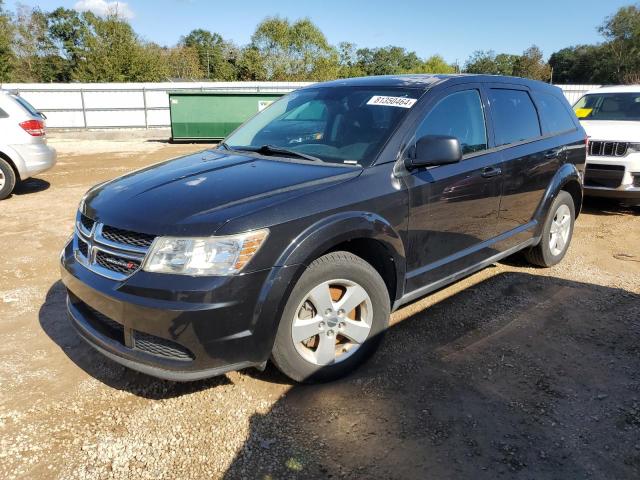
333, 320
556, 233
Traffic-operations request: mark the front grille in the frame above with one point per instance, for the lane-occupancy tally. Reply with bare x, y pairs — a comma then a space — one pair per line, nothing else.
109, 251
83, 248
160, 346
126, 237
113, 329
608, 176
607, 149
86, 222
636, 180
116, 263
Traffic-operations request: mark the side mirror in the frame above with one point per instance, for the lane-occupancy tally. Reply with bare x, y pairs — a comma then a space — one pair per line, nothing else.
432, 150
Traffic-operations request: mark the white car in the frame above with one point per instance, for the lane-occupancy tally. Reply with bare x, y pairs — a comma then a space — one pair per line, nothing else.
23, 146
611, 118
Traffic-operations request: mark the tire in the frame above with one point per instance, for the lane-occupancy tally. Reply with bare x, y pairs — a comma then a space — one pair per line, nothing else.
345, 339
7, 179
551, 250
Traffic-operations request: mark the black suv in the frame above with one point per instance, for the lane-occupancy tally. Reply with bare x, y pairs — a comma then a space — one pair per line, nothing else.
298, 235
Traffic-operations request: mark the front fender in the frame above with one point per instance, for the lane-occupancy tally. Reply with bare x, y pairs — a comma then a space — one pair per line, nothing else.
342, 227
565, 174
311, 243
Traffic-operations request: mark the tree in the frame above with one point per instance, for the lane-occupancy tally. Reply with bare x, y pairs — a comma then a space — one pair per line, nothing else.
184, 63
348, 65
36, 54
487, 62
583, 64
531, 64
436, 64
291, 51
114, 53
622, 34
69, 31
6, 38
217, 57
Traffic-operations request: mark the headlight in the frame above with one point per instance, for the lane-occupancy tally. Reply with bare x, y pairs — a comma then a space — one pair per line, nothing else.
204, 255
633, 148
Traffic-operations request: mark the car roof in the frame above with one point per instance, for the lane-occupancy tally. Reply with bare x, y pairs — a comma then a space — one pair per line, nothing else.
616, 89
428, 81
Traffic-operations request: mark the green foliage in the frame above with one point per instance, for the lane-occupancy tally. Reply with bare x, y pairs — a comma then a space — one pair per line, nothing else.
7, 57
622, 34
487, 62
290, 51
216, 56
583, 64
64, 45
531, 64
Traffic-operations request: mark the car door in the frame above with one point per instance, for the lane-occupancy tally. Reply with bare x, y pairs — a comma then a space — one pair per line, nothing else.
453, 208
529, 159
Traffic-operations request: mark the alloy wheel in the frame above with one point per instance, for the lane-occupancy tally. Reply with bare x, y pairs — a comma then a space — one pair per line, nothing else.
332, 322
560, 229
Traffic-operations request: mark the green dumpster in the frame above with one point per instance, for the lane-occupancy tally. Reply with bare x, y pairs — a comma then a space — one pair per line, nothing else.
213, 115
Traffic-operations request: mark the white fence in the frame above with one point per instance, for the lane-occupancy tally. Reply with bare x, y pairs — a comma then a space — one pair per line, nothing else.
143, 105
574, 92
122, 105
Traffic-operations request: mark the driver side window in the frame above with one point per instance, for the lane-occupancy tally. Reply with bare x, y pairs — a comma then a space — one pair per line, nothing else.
458, 115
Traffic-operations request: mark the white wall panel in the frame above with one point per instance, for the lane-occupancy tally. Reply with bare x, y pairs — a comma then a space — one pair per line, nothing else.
62, 103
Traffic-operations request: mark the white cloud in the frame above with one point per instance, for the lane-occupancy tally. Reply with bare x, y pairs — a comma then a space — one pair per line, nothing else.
104, 8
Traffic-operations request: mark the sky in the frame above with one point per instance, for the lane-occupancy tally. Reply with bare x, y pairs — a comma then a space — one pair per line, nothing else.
451, 28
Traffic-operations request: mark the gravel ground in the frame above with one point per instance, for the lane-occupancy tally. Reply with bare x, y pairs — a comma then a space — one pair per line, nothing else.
515, 372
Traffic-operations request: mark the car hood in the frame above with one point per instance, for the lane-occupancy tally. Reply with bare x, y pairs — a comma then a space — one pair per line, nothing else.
617, 131
197, 194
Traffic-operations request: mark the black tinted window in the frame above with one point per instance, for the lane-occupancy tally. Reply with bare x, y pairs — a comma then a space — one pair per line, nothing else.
555, 116
3, 114
514, 115
609, 106
459, 115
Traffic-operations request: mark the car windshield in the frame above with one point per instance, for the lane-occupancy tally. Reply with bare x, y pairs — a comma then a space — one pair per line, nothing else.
334, 124
609, 106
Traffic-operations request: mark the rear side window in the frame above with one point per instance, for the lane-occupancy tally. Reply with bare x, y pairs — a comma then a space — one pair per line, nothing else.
514, 116
3, 114
555, 116
26, 105
458, 115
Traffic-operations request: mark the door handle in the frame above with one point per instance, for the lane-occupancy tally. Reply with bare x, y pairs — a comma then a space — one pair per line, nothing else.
491, 172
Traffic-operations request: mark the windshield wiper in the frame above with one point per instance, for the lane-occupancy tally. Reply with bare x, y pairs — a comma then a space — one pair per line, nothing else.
273, 149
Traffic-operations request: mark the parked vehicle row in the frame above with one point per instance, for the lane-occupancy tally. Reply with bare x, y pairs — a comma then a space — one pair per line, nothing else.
23, 146
295, 238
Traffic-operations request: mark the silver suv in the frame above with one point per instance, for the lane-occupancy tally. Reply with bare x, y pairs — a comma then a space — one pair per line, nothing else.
23, 146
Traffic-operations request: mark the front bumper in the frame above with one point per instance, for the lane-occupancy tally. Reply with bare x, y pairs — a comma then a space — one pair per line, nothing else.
613, 177
175, 327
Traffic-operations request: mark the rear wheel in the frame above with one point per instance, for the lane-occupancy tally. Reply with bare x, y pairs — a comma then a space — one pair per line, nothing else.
556, 233
7, 179
333, 320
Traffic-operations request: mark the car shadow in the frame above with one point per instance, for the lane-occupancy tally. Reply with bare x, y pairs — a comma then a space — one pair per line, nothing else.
31, 185
519, 376
608, 207
53, 320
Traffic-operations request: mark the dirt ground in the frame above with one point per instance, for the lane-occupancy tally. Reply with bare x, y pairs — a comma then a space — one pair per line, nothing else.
515, 372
